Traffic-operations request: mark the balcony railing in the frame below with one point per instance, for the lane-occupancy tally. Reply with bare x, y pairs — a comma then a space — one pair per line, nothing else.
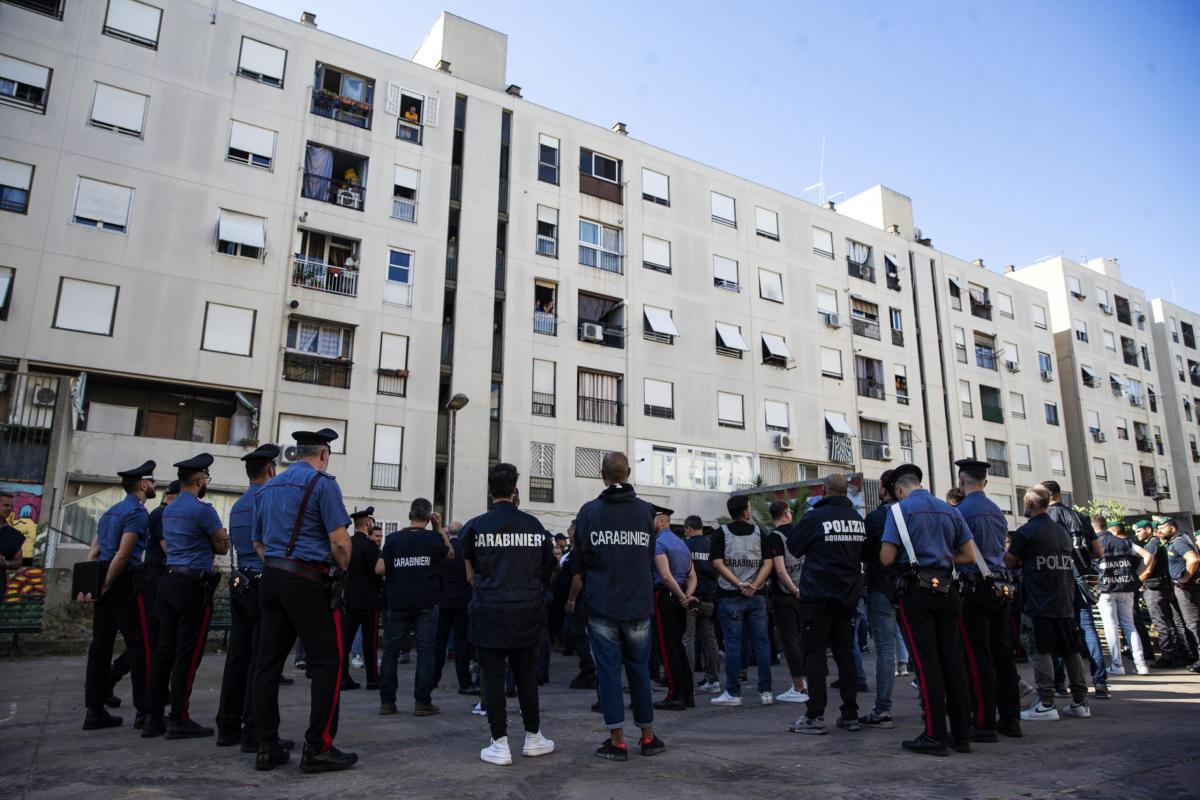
985, 358
600, 259
547, 246
611, 336
981, 310
998, 467
607, 412
1144, 444
869, 387
385, 476
598, 187
343, 109
1130, 358
865, 327
408, 131
331, 190
404, 209
543, 404
865, 272
391, 382
312, 273
839, 450
664, 412
305, 368
993, 413
873, 450
545, 322
541, 490
897, 338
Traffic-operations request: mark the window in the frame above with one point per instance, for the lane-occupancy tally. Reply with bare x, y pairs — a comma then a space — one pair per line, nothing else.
1122, 428
896, 318
1004, 502
965, 398
1090, 377
1099, 468
996, 453
397, 290
118, 110
1046, 364
413, 112
960, 345
288, 423
102, 205
827, 304
729, 340
985, 351
770, 285
251, 145
133, 21
599, 246
868, 373
1039, 316
545, 308
981, 304
588, 461
838, 436
822, 242
1081, 333
725, 273
16, 179
541, 472
1123, 311
1051, 410
1127, 473
7, 275
729, 410
228, 329
776, 416
85, 306
1074, 287
955, 294
859, 260
544, 390
696, 468
892, 273
864, 318
906, 443
23, 84
1016, 402
343, 96
405, 186
262, 62
599, 396
656, 254
775, 351
1057, 464
766, 223
656, 187
1022, 457
874, 438
1093, 420
1110, 341
393, 365
1179, 368
969, 446
660, 398
318, 352
1004, 305
601, 320
659, 326
1102, 300
1129, 351
51, 8
831, 362
389, 448
724, 209
548, 148
241, 234
600, 176
901, 377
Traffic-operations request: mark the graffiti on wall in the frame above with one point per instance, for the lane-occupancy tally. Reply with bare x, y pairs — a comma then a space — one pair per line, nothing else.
27, 510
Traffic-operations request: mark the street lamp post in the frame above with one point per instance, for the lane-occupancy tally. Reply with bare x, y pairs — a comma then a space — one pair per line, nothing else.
456, 404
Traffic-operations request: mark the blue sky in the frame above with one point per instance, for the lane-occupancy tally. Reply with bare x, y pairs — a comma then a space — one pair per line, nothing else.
1020, 130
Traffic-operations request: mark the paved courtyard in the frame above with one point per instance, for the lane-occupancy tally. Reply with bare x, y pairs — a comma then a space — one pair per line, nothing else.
1143, 743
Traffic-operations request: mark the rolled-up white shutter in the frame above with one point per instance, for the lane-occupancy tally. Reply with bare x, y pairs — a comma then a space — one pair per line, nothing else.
725, 268
242, 229
264, 59
547, 215
660, 393
407, 178
729, 407
119, 108
822, 241
656, 251
389, 444
656, 184
766, 221
137, 19
723, 207
776, 414
543, 376
393, 352
228, 329
831, 361
85, 306
103, 202
15, 174
252, 139
770, 285
827, 301
20, 71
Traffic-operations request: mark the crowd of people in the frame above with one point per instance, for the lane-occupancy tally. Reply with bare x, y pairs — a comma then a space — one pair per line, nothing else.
947, 590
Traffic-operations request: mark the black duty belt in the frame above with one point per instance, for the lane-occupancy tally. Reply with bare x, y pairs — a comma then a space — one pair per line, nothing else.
189, 572
314, 571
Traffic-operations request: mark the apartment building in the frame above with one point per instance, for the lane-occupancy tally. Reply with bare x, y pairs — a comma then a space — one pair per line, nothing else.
1178, 363
1116, 420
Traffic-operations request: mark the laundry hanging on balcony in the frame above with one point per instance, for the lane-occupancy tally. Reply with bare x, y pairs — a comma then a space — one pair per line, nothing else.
318, 166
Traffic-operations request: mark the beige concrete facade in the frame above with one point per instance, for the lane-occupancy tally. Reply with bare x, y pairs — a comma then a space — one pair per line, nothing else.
1179, 367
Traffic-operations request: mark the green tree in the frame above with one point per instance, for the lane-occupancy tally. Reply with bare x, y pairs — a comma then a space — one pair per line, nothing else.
1110, 509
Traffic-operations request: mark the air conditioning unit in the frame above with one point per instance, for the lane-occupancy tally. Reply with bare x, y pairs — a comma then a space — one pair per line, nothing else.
1106, 308
1100, 436
885, 452
347, 200
43, 396
783, 441
1047, 375
832, 320
290, 454
1012, 366
593, 332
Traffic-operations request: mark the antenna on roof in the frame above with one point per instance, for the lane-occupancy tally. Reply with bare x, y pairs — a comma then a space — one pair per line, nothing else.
820, 184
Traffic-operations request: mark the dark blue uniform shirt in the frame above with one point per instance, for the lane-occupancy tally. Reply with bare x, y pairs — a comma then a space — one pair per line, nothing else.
241, 528
989, 528
188, 526
127, 516
616, 548
935, 527
276, 507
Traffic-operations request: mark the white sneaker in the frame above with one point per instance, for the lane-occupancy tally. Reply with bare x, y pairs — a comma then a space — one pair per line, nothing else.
1080, 710
536, 745
1039, 711
1142, 669
478, 710
792, 695
766, 697
356, 661
497, 752
726, 699
711, 687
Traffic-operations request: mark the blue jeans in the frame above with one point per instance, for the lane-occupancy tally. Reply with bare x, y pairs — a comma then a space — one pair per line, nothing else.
615, 644
901, 647
882, 616
736, 615
356, 647
423, 622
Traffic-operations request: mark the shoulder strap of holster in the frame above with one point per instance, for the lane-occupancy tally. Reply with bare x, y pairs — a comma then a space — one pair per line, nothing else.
308, 490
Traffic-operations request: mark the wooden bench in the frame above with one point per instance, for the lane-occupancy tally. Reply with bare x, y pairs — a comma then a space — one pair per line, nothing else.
21, 615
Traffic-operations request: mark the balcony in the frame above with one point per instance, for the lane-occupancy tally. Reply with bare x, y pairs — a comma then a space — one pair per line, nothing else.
600, 333
343, 109
543, 404
347, 194
598, 187
393, 382
456, 183
983, 310
898, 338
544, 322
998, 467
497, 354
864, 272
865, 327
404, 209
1144, 444
985, 357
304, 368
605, 412
313, 273
992, 413
839, 450
869, 387
385, 476
874, 451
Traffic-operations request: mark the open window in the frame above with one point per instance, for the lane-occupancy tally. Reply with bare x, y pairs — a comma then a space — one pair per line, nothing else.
343, 96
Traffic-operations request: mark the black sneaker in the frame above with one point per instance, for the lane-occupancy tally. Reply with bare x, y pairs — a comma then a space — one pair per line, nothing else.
187, 729
139, 720
611, 752
469, 690
984, 737
877, 720
154, 725
653, 746
582, 681
1010, 728
961, 745
229, 735
926, 745
670, 704
849, 724
98, 718
350, 685
330, 760
112, 701
271, 756
250, 744
1102, 692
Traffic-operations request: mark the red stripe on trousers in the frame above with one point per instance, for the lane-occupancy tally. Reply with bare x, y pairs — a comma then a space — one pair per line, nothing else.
326, 739
662, 647
979, 720
916, 654
197, 652
141, 605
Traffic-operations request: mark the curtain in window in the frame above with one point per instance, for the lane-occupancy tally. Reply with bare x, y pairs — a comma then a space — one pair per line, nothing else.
593, 308
308, 338
329, 342
859, 253
318, 164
